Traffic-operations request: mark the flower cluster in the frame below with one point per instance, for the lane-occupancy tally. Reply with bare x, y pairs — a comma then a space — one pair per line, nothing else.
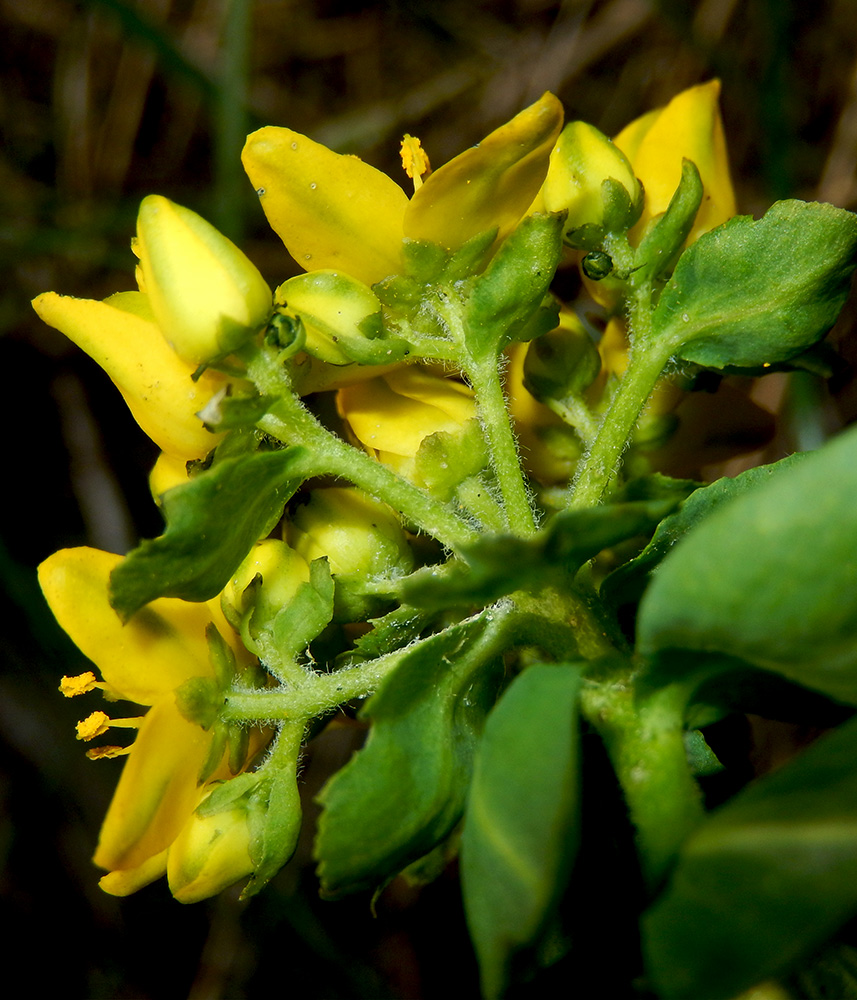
379, 366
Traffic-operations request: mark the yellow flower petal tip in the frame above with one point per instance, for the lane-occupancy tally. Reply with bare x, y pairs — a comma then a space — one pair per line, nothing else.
120, 334
490, 185
690, 127
330, 210
206, 295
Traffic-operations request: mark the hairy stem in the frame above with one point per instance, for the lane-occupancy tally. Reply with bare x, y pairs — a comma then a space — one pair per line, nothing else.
291, 422
645, 741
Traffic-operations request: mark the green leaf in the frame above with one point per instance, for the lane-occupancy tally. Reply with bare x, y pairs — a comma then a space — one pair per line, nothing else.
213, 521
306, 614
627, 583
507, 295
404, 791
768, 877
662, 242
751, 293
496, 565
520, 827
771, 577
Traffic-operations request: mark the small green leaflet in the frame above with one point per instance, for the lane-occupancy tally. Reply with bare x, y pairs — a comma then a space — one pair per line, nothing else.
403, 793
213, 521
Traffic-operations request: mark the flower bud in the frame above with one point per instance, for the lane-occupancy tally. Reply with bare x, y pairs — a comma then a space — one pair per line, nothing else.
689, 127
580, 164
263, 584
341, 315
210, 854
563, 362
362, 539
549, 447
206, 295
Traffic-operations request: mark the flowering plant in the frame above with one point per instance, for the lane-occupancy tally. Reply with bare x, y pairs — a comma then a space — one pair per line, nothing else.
412, 485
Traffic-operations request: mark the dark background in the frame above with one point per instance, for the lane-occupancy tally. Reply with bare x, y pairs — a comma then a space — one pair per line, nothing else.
102, 102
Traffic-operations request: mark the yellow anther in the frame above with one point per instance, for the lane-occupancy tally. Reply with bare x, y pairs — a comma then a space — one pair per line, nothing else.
81, 684
99, 722
97, 753
415, 160
93, 725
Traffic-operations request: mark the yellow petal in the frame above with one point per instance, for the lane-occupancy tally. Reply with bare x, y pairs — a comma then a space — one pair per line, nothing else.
166, 473
207, 296
123, 883
688, 127
161, 646
492, 184
330, 210
120, 335
158, 789
395, 412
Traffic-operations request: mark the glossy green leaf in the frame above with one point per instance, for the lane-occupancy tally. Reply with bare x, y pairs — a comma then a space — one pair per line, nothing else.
404, 791
213, 521
627, 582
520, 828
767, 878
771, 577
751, 293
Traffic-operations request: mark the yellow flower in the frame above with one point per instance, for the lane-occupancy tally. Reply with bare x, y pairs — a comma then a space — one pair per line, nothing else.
121, 334
145, 661
337, 212
206, 295
689, 127
391, 415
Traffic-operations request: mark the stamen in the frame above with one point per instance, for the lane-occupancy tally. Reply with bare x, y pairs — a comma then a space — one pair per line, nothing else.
415, 160
93, 725
80, 684
98, 723
97, 753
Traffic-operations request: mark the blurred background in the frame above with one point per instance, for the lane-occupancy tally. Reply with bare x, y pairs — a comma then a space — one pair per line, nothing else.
105, 101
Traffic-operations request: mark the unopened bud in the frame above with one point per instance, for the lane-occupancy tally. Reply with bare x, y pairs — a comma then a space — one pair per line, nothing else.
208, 298
562, 363
581, 162
210, 853
362, 540
341, 316
263, 584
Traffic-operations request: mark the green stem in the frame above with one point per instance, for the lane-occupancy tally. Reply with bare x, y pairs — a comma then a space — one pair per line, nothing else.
291, 422
484, 377
316, 695
645, 741
600, 468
